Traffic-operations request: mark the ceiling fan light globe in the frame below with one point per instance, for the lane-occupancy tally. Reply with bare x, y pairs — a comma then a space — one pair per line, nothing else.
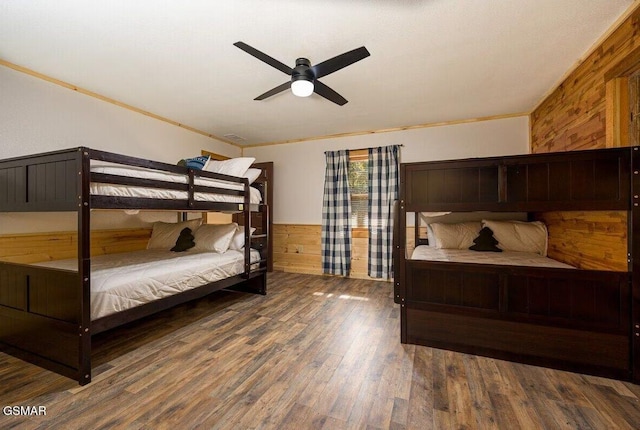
302, 88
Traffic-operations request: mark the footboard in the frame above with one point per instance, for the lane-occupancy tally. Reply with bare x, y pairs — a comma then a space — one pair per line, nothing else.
577, 320
41, 313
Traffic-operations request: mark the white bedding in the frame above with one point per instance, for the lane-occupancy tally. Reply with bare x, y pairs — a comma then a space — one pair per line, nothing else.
126, 280
424, 252
156, 193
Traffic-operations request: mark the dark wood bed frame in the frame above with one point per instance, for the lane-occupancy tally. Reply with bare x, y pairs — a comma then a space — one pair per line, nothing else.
44, 312
586, 321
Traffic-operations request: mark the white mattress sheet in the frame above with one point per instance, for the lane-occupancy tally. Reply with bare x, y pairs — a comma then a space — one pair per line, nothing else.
126, 280
428, 253
156, 193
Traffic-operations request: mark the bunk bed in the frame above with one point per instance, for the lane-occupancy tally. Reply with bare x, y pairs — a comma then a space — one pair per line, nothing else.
46, 309
564, 317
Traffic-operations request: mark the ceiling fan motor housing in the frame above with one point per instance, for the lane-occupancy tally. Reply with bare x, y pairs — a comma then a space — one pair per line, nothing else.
302, 71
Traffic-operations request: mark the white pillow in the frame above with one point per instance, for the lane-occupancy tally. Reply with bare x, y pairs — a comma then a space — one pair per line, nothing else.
454, 236
520, 236
214, 237
165, 234
233, 166
431, 236
237, 242
252, 175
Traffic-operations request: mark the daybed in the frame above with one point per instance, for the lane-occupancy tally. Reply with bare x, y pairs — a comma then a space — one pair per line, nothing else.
50, 310
557, 316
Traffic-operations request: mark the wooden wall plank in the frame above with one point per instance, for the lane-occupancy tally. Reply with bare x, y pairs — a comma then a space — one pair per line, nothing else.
574, 115
297, 249
588, 111
617, 103
38, 247
588, 240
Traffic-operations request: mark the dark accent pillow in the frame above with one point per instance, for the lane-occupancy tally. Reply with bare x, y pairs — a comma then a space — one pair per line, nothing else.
485, 242
185, 241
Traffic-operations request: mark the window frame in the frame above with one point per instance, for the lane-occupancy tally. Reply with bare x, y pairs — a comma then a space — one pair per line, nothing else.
358, 156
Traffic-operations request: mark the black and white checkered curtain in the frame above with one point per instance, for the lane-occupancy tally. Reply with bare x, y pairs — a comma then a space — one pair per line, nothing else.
383, 191
336, 215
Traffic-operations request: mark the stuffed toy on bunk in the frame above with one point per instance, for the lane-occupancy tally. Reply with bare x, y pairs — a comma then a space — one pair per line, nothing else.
485, 242
185, 241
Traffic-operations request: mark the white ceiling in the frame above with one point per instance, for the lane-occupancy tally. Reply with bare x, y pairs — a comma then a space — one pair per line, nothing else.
431, 60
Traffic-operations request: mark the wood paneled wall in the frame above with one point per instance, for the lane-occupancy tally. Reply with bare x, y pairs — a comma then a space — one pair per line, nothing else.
594, 240
297, 249
583, 113
587, 240
573, 116
37, 247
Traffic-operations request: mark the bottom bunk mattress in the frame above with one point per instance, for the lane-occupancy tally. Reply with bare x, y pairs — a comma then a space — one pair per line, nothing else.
510, 258
126, 280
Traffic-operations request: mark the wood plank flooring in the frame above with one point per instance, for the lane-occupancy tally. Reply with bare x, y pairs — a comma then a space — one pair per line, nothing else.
315, 353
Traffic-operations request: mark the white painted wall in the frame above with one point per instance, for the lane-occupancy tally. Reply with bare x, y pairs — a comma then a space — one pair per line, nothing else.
299, 167
39, 116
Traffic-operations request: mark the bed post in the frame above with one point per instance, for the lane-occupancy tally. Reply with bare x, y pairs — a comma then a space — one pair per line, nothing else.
416, 232
634, 264
400, 239
398, 253
266, 222
84, 267
247, 228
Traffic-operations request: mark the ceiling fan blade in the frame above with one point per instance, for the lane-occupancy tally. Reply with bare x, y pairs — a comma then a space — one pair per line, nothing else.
336, 63
329, 94
274, 91
264, 57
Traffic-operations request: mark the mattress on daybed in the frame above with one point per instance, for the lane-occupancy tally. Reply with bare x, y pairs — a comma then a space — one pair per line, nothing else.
510, 258
116, 190
126, 280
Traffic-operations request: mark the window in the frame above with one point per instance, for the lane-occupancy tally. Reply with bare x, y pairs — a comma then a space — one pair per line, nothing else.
359, 188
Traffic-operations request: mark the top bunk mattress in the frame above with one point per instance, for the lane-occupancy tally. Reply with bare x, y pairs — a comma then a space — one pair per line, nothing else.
115, 190
429, 253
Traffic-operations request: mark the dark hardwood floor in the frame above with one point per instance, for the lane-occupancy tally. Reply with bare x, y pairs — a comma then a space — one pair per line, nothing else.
315, 353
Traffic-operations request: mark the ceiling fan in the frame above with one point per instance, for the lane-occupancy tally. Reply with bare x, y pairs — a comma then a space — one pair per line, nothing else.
304, 77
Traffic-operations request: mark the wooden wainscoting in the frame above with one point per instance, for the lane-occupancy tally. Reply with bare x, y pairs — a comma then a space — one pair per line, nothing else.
588, 240
411, 239
216, 218
37, 247
297, 249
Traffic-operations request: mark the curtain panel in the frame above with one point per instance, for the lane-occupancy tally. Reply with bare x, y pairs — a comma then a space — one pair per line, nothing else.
336, 215
383, 191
